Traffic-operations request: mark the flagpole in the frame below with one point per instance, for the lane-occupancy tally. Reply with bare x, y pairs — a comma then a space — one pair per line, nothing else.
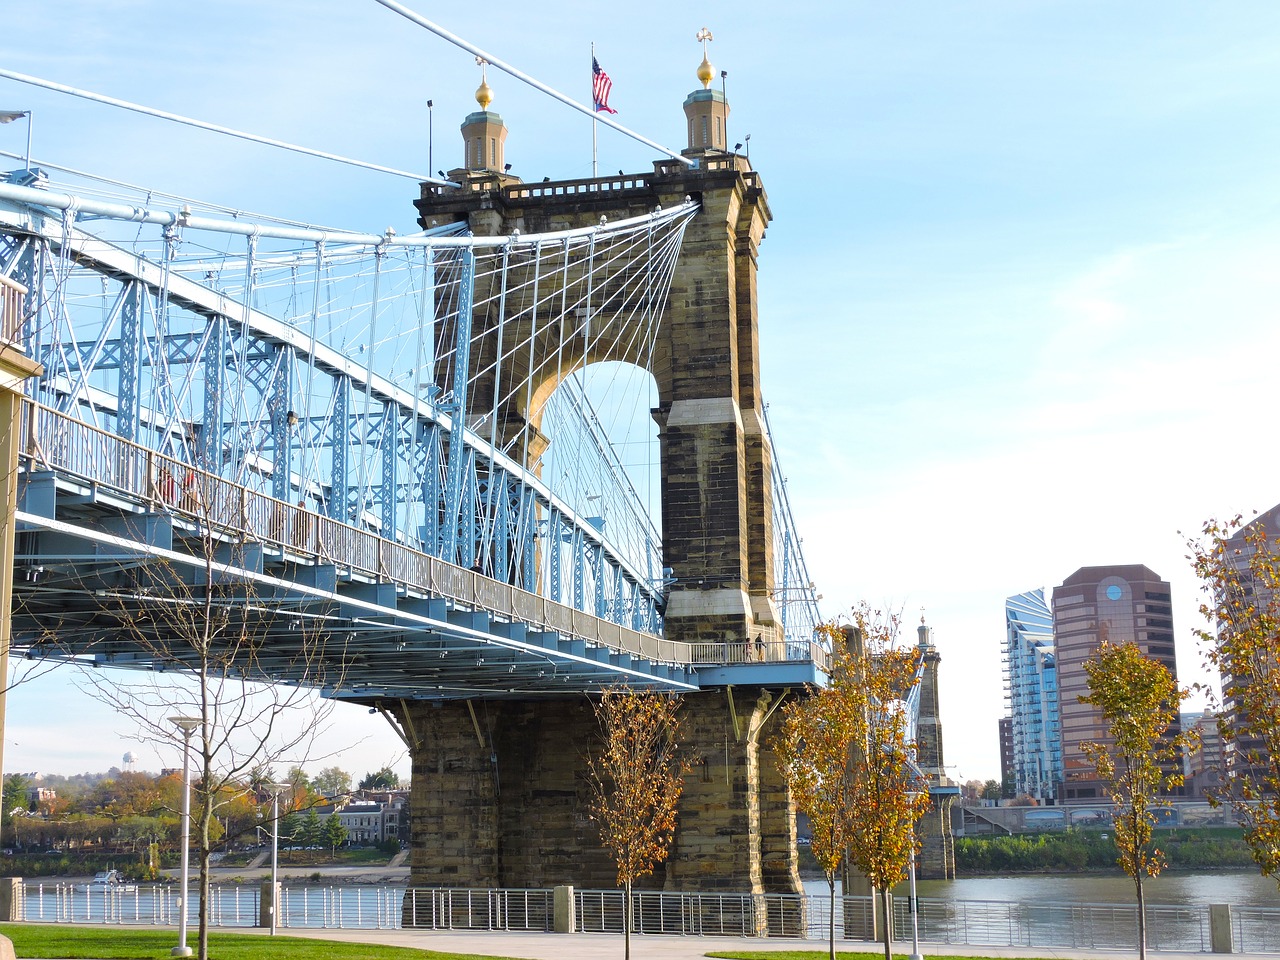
595, 118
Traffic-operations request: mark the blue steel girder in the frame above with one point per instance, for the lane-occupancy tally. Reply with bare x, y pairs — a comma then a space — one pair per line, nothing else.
390, 458
283, 421
212, 433
339, 445
555, 537
429, 458
468, 541
128, 419
457, 408
601, 576
528, 579
500, 538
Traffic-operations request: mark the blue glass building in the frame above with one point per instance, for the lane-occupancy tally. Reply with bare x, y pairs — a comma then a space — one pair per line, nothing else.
1031, 687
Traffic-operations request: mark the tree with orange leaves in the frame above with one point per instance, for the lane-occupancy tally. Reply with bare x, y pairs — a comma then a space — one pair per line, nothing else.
636, 781
1138, 699
846, 754
1239, 567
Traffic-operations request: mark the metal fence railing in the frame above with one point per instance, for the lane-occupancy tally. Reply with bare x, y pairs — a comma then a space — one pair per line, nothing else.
445, 908
1080, 926
1255, 929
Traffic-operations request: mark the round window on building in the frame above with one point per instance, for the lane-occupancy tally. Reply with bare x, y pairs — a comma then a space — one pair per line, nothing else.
1114, 592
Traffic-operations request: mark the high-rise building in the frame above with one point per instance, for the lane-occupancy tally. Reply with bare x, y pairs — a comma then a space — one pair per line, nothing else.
1118, 603
1031, 687
1006, 758
1245, 756
1204, 760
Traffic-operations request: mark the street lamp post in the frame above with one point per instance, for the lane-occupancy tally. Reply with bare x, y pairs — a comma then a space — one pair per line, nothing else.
915, 923
188, 726
431, 135
276, 789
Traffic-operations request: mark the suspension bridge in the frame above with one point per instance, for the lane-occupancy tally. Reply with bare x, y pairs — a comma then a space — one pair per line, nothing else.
462, 476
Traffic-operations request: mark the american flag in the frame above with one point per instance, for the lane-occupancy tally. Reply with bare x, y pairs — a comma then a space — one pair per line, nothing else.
600, 87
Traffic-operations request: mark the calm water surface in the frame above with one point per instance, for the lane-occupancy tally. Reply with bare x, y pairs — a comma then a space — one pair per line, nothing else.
1241, 888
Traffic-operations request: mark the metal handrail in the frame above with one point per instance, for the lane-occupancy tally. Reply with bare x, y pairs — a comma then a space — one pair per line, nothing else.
11, 296
57, 441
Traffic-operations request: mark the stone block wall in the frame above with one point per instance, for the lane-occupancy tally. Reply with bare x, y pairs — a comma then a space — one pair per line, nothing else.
500, 797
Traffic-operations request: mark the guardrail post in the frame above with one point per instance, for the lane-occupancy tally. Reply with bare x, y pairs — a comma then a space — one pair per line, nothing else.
267, 903
1220, 940
565, 919
12, 903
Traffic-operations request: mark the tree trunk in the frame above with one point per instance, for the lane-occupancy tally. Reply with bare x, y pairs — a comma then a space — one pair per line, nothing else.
831, 916
885, 901
626, 920
1142, 916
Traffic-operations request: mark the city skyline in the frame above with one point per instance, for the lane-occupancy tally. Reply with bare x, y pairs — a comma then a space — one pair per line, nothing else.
1021, 256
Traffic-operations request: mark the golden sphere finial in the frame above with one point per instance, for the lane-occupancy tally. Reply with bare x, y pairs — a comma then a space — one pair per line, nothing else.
705, 71
484, 92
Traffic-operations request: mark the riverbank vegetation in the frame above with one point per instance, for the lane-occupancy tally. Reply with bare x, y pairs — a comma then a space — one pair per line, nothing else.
1202, 848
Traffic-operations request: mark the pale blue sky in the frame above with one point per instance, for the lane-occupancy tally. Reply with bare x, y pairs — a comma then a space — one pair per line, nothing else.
1019, 303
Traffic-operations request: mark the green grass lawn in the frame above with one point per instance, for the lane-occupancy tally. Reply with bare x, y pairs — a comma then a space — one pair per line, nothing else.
898, 953
37, 941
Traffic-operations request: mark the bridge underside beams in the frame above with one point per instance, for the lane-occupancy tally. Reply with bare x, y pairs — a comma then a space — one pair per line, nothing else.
102, 584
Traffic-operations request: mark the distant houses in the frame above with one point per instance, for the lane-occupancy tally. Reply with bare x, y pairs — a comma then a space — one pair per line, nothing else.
370, 816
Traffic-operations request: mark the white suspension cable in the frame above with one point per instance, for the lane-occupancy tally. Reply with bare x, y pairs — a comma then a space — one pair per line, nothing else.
215, 128
520, 75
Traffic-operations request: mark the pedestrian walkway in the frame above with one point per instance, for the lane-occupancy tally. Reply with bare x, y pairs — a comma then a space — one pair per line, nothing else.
594, 946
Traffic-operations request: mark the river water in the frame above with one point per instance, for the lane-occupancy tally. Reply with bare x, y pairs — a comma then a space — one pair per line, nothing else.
1240, 888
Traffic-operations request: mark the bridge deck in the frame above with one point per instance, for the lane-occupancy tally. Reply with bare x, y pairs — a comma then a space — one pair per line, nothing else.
396, 623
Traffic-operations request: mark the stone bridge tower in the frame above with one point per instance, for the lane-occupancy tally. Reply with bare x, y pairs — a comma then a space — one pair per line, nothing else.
938, 848
716, 461
498, 794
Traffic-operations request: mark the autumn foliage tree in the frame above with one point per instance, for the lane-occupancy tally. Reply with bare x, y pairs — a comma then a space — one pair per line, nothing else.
1138, 698
846, 754
636, 780
1239, 567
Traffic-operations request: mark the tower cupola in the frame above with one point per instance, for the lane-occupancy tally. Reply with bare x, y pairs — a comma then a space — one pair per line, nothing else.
706, 110
484, 135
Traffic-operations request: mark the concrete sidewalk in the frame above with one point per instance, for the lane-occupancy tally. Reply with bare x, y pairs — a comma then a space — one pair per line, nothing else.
595, 946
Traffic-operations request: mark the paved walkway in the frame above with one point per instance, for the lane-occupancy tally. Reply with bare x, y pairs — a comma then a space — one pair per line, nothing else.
580, 946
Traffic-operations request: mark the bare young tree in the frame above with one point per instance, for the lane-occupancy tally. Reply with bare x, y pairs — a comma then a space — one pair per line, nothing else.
228, 661
636, 781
